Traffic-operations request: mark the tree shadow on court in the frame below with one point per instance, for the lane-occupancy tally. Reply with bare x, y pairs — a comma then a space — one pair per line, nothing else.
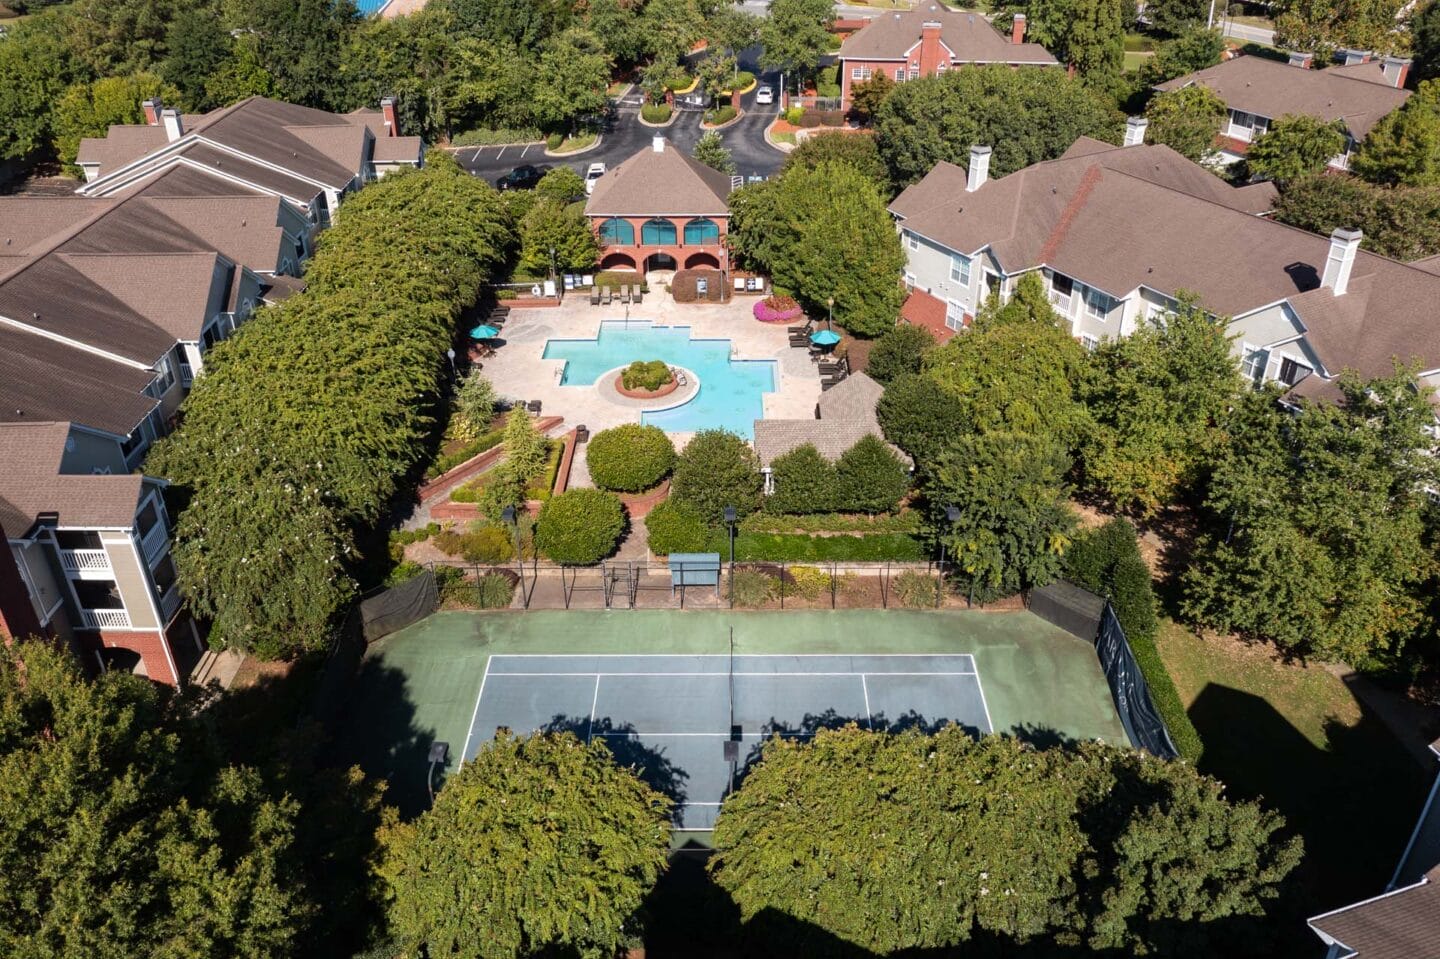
376, 730
651, 765
1044, 737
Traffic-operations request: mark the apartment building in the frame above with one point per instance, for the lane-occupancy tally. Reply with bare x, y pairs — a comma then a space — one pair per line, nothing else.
1120, 233
1258, 91
928, 40
90, 544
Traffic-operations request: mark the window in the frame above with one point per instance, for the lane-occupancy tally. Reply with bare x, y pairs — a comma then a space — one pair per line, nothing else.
1061, 287
166, 377
146, 519
1253, 363
914, 72
909, 281
1089, 342
954, 315
899, 74
1247, 126
912, 241
701, 231
1293, 371
1097, 304
960, 269
657, 232
617, 232
860, 73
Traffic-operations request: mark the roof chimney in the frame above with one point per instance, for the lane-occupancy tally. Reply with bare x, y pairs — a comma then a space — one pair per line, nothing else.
174, 127
1135, 131
1017, 29
979, 169
1350, 57
392, 121
657, 144
1302, 60
1395, 70
1343, 244
152, 108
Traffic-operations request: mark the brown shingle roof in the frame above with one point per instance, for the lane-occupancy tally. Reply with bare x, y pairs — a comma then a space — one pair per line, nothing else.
1404, 924
1371, 71
32, 483
847, 415
170, 290
42, 380
664, 182
853, 398
969, 37
1272, 89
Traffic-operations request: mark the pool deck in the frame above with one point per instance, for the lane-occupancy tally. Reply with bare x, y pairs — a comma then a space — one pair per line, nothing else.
518, 370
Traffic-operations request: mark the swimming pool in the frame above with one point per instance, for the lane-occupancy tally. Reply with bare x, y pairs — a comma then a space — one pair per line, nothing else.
367, 7
731, 392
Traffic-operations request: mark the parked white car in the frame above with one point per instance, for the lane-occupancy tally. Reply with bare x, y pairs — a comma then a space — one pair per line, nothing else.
765, 95
592, 173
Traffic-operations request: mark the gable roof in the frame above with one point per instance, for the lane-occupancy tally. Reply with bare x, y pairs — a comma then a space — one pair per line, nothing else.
660, 182
1404, 924
43, 381
969, 37
1272, 89
853, 398
845, 415
32, 483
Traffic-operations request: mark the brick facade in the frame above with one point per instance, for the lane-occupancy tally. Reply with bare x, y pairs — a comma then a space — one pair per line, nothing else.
637, 255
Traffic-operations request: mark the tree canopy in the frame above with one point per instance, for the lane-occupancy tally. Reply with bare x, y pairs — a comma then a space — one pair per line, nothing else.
1187, 120
904, 841
795, 35
717, 469
536, 844
1404, 147
823, 233
1399, 222
88, 109
1025, 115
1295, 146
1088, 35
834, 147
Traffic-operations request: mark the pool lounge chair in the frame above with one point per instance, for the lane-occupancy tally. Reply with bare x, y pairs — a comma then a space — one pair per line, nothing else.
605, 296
624, 292
594, 296
635, 294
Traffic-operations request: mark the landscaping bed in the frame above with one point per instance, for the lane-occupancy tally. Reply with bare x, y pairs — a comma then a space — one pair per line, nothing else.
639, 393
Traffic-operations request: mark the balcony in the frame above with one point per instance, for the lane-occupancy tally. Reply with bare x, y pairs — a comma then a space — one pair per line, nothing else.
187, 375
105, 618
169, 603
153, 542
86, 563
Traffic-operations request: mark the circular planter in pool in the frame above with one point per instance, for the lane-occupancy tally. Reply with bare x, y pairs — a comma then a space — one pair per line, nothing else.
665, 390
675, 393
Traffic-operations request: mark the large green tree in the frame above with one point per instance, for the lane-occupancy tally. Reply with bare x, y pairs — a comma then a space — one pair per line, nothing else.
274, 489
1174, 17
1404, 148
521, 23
717, 469
1158, 398
893, 842
710, 150
1193, 50
537, 846
824, 233
835, 147
795, 35
571, 79
558, 236
1425, 42
1323, 26
919, 418
1314, 533
1025, 115
88, 109
1295, 146
114, 37
196, 45
1399, 222
300, 44
36, 68
1187, 120
1088, 35
120, 833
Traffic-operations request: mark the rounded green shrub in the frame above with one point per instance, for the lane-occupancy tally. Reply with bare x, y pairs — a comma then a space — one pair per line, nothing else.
630, 458
675, 527
655, 112
899, 353
580, 527
645, 375
715, 470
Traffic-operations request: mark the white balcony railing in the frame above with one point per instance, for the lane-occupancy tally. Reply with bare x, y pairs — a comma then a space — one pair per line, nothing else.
153, 542
105, 618
169, 603
187, 375
81, 561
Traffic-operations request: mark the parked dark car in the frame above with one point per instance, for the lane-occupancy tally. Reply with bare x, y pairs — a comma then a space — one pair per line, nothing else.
521, 178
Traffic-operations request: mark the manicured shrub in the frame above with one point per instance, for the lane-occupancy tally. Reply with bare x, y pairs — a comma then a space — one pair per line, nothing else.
553, 141
808, 582
809, 120
656, 112
674, 527
916, 590
479, 544
752, 588
899, 353
720, 115
580, 527
869, 478
799, 548
804, 481
920, 418
645, 375
715, 470
793, 115
629, 458
832, 118
777, 308
1107, 561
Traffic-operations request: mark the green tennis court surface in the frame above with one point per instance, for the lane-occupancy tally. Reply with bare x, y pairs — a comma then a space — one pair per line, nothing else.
663, 673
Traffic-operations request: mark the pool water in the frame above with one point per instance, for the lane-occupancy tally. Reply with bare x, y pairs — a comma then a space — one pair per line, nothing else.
368, 7
731, 395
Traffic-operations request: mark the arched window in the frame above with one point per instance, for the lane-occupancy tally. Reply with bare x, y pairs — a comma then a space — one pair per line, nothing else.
617, 232
657, 232
701, 231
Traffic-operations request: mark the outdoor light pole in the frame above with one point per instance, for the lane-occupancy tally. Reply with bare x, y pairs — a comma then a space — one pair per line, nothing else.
730, 516
830, 320
952, 514
507, 515
552, 264
450, 355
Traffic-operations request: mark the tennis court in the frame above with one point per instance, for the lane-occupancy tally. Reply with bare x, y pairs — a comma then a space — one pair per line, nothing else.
643, 678
670, 717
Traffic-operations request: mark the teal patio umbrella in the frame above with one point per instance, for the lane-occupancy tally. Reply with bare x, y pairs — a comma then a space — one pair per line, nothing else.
484, 332
825, 338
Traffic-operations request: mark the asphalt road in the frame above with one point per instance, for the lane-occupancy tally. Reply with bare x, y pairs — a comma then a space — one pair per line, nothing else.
625, 136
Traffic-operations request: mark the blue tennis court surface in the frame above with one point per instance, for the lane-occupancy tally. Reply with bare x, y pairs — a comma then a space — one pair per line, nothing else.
670, 716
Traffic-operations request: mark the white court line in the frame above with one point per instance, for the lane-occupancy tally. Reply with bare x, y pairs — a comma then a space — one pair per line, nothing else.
969, 656
746, 675
476, 711
865, 688
590, 727
743, 737
988, 721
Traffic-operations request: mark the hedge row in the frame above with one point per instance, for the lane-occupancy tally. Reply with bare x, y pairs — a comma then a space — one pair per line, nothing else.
306, 421
1108, 561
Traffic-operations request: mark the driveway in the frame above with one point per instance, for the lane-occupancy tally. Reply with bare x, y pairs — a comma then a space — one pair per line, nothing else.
625, 136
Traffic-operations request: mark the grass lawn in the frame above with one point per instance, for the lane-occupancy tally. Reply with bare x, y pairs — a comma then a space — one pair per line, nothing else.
1262, 22
1298, 739
577, 142
1134, 61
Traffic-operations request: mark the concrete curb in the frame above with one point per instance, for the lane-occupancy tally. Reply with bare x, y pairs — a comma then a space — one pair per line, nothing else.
785, 148
674, 115
599, 139
740, 115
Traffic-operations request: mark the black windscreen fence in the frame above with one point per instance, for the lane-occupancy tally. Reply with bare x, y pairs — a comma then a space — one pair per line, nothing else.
399, 606
1090, 617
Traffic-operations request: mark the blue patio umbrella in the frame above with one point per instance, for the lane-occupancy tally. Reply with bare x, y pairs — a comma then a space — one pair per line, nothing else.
825, 338
484, 332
